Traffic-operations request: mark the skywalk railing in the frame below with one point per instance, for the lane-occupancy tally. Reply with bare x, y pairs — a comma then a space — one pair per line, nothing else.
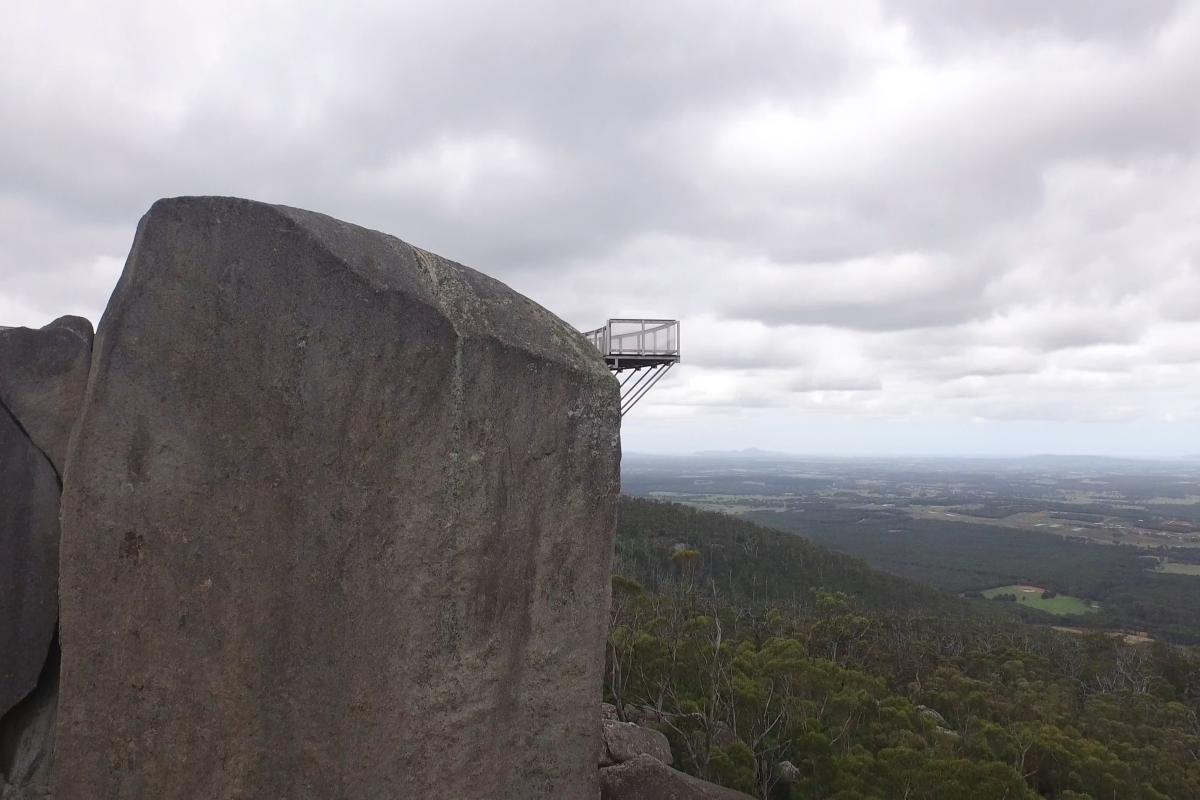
637, 337
648, 348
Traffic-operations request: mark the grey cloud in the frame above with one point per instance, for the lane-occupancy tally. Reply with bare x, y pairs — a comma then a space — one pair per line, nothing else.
1058, 330
835, 383
1022, 155
588, 86
868, 314
967, 21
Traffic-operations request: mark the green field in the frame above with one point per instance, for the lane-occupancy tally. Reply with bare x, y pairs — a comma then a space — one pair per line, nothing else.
1178, 569
1031, 597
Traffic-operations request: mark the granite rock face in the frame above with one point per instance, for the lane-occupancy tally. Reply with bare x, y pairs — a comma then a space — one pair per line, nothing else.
338, 523
28, 561
27, 739
647, 778
43, 375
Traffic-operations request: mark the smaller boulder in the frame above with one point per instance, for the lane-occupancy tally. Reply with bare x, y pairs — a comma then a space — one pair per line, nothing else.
608, 711
43, 376
941, 726
787, 772
786, 775
930, 714
624, 741
647, 778
644, 715
27, 739
28, 564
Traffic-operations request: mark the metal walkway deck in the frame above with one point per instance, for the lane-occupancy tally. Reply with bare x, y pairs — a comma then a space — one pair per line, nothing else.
647, 348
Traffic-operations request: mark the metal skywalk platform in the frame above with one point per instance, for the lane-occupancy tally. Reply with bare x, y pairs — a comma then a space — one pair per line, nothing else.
647, 348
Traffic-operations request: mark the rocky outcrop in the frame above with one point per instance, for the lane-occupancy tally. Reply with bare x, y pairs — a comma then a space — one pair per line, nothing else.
43, 374
635, 765
647, 778
27, 739
940, 724
787, 775
28, 561
934, 716
338, 522
624, 741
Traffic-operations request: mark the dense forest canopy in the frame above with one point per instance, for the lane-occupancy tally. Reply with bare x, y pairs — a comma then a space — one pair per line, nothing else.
959, 557
785, 670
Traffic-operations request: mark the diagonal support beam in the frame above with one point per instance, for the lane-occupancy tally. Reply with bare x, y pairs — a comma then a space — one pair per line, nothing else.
657, 374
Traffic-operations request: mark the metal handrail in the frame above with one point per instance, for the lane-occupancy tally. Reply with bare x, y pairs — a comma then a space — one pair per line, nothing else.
637, 350
634, 343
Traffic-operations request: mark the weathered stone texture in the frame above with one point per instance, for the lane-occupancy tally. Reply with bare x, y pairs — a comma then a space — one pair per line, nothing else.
28, 561
338, 523
27, 739
43, 375
647, 778
624, 741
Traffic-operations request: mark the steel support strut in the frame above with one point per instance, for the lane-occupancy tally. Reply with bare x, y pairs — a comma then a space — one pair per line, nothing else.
646, 348
636, 395
636, 380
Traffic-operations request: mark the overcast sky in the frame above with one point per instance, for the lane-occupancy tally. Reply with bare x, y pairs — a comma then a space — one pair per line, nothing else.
938, 226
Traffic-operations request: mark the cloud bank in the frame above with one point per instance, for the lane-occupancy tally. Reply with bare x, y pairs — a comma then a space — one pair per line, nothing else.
872, 217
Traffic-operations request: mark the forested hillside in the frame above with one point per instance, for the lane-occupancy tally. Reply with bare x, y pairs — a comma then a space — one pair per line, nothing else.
784, 670
748, 563
961, 557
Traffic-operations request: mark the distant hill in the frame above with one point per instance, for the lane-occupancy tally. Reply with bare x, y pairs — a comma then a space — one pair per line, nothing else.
752, 564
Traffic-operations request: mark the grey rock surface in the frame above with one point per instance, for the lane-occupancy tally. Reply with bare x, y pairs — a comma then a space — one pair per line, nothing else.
786, 775
338, 523
647, 778
29, 498
624, 741
933, 715
8, 792
787, 772
43, 375
27, 739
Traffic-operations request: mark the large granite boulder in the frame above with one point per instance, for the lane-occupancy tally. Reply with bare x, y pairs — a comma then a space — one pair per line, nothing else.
28, 562
647, 778
338, 523
27, 739
43, 375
